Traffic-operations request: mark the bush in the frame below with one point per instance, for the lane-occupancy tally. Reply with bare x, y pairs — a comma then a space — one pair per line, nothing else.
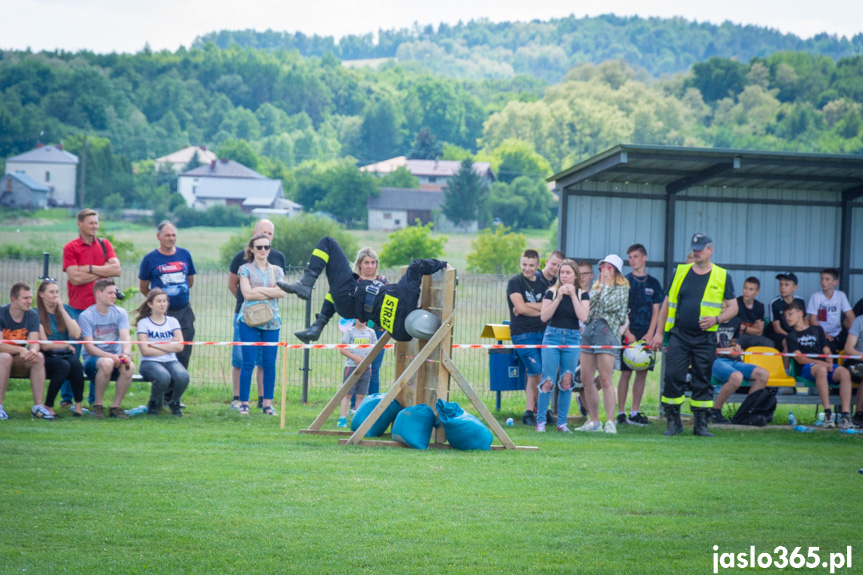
295, 237
410, 243
497, 252
215, 217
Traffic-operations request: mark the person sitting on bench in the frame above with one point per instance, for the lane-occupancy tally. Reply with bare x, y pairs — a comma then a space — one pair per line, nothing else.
386, 305
730, 370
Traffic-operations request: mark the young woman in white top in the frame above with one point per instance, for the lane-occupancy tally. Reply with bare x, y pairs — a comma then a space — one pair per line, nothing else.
159, 363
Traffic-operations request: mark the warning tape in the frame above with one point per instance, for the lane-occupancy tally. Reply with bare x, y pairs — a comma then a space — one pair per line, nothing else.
390, 346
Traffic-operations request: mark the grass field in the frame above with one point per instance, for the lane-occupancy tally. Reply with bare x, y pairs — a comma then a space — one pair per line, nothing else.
214, 493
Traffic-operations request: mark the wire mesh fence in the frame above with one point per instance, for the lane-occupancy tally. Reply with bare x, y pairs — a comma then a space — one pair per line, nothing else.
481, 299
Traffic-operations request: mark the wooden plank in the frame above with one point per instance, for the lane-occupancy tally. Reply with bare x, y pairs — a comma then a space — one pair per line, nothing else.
284, 386
323, 432
400, 382
346, 386
477, 402
448, 305
419, 391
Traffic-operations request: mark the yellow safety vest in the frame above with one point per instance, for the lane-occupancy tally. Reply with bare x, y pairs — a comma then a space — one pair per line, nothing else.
711, 301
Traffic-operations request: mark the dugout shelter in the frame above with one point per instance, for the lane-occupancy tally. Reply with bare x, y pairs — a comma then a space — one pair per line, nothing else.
767, 212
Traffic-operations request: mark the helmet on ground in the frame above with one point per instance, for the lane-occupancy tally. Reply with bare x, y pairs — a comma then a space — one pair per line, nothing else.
639, 356
422, 324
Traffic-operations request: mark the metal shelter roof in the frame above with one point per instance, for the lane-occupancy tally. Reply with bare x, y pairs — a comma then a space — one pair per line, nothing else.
678, 168
799, 179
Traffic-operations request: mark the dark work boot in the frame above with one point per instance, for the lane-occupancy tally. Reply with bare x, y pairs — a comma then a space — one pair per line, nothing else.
175, 409
152, 408
699, 427
303, 288
313, 332
672, 413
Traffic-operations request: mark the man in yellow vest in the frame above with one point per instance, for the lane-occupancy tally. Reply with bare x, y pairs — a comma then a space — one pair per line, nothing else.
691, 311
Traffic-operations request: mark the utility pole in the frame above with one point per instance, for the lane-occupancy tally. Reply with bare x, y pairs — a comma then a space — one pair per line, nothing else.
83, 193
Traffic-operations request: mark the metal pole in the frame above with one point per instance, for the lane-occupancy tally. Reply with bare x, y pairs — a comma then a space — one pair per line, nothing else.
45, 263
305, 369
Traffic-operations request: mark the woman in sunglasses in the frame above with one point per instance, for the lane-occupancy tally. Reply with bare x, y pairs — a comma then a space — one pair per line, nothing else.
259, 319
61, 359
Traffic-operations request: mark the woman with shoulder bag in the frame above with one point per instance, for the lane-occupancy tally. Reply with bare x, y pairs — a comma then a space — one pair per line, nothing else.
61, 359
259, 319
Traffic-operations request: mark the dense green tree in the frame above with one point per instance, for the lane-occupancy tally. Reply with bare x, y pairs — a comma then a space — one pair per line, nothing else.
514, 158
399, 178
240, 151
426, 146
496, 251
380, 134
410, 243
465, 196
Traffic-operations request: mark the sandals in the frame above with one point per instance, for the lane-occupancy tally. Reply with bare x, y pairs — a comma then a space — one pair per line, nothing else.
244, 410
269, 410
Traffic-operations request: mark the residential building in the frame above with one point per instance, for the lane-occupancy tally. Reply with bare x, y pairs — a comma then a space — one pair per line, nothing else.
22, 191
229, 183
432, 174
398, 208
178, 160
51, 166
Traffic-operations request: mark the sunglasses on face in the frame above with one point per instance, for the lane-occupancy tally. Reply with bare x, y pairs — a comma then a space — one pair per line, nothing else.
262, 248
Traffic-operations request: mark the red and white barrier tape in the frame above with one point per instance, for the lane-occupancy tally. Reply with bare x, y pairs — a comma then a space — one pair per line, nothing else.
390, 346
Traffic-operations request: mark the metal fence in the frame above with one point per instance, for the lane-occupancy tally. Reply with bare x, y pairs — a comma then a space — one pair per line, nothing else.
481, 299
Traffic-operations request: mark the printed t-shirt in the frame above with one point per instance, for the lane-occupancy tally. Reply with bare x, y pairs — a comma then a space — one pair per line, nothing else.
159, 333
18, 329
103, 328
170, 273
357, 335
532, 292
644, 291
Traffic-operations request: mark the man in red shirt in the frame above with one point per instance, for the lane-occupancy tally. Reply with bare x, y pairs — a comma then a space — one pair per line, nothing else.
86, 259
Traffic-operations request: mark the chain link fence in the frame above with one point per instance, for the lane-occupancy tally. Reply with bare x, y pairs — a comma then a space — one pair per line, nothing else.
481, 299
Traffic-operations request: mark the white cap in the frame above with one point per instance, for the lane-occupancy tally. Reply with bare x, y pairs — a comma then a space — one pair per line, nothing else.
613, 260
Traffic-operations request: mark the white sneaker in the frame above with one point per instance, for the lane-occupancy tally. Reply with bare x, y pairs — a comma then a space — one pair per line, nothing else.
41, 412
540, 427
830, 422
610, 427
353, 412
590, 426
3, 414
563, 428
235, 404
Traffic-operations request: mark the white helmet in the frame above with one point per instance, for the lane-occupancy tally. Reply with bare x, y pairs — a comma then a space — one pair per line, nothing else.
422, 324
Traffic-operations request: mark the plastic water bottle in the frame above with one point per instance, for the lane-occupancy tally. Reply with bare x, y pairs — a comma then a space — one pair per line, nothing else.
792, 421
509, 421
851, 431
803, 429
820, 421
137, 410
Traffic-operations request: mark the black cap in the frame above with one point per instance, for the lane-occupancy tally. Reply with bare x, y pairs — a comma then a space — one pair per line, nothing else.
787, 276
700, 241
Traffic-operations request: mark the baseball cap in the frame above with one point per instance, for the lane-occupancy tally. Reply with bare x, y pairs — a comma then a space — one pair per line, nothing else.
613, 260
787, 276
700, 241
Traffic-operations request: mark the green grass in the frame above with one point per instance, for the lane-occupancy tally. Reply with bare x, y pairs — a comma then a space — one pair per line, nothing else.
214, 493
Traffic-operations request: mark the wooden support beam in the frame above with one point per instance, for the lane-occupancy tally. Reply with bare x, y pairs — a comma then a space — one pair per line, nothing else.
477, 402
402, 380
346, 386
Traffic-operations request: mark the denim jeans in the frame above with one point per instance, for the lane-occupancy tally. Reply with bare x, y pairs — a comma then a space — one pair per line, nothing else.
237, 351
556, 361
375, 381
250, 353
162, 374
531, 358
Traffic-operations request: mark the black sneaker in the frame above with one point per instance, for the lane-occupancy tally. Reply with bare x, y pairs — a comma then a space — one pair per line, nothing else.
638, 419
260, 402
715, 416
175, 409
529, 418
549, 416
621, 419
857, 420
582, 409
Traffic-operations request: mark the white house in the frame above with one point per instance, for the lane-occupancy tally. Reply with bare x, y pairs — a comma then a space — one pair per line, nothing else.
178, 160
432, 174
228, 183
51, 166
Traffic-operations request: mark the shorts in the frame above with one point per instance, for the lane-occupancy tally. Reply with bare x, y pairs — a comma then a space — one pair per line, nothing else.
806, 373
531, 358
724, 367
598, 332
639, 334
361, 387
90, 369
237, 350
20, 370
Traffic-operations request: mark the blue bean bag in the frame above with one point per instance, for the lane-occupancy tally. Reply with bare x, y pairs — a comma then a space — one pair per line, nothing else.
370, 402
463, 430
413, 426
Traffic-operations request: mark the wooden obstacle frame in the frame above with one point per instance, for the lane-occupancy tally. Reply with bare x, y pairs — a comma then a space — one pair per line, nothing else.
423, 371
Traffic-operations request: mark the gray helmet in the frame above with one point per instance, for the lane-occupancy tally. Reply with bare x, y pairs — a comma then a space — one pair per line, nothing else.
422, 324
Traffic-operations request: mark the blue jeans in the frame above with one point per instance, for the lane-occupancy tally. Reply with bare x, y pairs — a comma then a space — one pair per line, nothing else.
531, 358
237, 351
268, 358
162, 374
556, 361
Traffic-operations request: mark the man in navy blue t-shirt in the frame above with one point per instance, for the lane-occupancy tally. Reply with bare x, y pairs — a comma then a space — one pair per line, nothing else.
645, 298
171, 269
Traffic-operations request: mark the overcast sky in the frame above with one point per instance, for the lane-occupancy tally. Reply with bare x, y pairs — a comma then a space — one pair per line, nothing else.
123, 26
